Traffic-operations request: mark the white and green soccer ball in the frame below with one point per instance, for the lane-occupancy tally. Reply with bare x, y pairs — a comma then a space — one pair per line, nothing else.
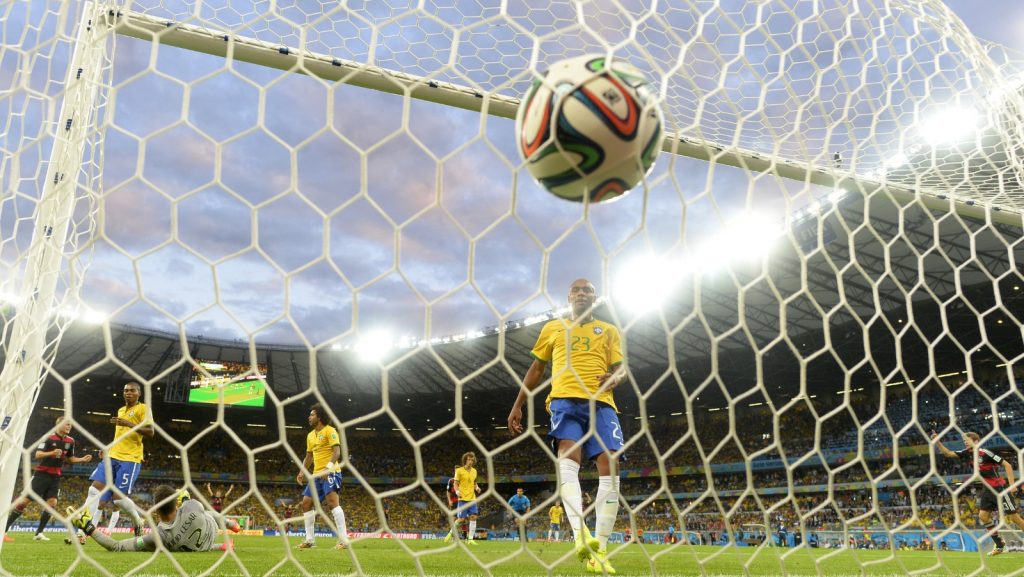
587, 129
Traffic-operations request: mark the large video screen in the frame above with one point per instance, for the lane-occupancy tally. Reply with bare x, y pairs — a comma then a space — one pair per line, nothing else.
241, 387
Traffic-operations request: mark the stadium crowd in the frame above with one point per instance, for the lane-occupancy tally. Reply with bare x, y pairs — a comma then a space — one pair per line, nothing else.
767, 495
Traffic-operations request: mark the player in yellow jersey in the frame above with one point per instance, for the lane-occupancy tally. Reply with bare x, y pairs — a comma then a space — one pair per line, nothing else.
132, 423
587, 365
555, 516
467, 489
323, 458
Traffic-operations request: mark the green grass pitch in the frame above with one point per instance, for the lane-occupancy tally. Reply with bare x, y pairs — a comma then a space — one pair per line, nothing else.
379, 557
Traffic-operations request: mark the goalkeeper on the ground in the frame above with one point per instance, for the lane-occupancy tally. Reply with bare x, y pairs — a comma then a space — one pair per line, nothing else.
183, 525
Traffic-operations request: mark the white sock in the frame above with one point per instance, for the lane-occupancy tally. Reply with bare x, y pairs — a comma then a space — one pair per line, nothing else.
472, 530
309, 518
114, 518
558, 535
92, 502
607, 504
572, 495
128, 506
339, 520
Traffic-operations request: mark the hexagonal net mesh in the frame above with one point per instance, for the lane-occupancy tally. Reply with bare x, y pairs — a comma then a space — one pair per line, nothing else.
251, 207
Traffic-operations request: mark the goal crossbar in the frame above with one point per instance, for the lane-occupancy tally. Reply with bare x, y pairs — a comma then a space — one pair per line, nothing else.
328, 68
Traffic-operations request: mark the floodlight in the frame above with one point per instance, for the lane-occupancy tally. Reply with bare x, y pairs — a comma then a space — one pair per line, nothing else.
373, 346
949, 126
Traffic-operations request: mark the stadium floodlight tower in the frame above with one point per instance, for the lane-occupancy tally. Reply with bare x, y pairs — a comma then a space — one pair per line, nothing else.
828, 118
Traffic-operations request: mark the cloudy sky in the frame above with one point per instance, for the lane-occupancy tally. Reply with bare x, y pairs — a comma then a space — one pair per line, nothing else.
245, 201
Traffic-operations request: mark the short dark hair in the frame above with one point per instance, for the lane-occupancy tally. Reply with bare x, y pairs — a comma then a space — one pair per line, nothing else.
164, 497
973, 436
134, 384
319, 410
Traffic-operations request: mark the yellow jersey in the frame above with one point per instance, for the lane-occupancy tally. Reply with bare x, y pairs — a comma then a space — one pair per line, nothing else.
321, 443
127, 444
465, 479
555, 514
579, 354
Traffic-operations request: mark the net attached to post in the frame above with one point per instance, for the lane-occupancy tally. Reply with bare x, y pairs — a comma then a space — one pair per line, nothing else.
250, 207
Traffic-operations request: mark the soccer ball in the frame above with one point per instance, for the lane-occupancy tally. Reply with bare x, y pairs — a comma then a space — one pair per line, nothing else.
589, 130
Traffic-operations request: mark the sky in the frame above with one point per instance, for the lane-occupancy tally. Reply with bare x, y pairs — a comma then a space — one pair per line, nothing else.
239, 201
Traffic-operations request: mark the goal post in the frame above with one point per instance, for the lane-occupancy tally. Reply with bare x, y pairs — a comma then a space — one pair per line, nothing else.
28, 348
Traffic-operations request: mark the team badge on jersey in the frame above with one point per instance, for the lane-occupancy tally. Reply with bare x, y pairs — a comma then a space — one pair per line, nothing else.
598, 330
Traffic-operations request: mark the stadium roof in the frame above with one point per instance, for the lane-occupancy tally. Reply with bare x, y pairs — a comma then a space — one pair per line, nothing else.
923, 290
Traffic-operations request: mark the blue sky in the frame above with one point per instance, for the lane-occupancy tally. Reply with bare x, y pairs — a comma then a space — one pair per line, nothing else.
245, 201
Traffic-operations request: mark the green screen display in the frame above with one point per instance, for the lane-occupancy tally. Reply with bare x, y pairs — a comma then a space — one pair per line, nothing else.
242, 384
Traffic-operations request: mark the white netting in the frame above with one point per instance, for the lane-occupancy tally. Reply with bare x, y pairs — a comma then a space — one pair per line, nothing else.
320, 202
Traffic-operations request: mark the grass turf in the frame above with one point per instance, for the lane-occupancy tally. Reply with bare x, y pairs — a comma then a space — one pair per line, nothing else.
270, 555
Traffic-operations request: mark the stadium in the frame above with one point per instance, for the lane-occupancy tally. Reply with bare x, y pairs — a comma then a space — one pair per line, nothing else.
785, 374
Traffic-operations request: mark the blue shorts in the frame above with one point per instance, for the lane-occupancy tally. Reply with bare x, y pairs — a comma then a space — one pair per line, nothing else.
556, 526
331, 483
467, 509
124, 473
570, 421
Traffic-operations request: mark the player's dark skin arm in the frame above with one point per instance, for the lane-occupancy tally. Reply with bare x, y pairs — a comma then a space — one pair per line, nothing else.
306, 464
612, 379
144, 430
532, 380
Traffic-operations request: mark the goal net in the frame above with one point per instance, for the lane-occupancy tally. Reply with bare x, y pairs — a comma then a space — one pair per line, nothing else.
250, 207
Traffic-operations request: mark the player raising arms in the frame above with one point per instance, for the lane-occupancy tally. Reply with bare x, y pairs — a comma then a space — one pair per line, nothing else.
58, 447
130, 425
217, 498
992, 498
586, 357
183, 525
467, 490
323, 453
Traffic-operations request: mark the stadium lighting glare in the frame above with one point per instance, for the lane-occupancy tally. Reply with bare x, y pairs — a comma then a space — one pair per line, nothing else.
373, 346
897, 160
949, 126
747, 237
644, 283
10, 298
93, 317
